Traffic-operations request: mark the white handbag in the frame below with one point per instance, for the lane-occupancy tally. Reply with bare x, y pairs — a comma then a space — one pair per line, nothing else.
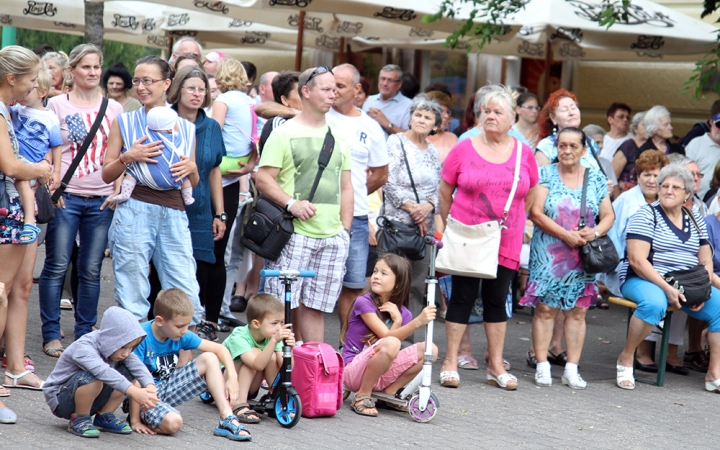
472, 250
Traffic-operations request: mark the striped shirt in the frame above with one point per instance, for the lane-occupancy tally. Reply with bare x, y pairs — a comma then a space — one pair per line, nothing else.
671, 248
133, 125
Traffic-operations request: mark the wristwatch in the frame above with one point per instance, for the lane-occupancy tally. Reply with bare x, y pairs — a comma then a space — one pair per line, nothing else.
390, 126
222, 216
597, 235
348, 231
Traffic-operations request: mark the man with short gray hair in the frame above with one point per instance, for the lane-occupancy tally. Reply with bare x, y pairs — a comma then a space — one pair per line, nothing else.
185, 44
389, 108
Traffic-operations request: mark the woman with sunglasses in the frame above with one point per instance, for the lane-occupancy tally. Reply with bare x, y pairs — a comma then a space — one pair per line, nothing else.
152, 225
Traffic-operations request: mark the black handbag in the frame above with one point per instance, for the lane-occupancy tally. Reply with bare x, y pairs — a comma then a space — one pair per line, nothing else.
270, 226
693, 283
600, 255
45, 207
397, 237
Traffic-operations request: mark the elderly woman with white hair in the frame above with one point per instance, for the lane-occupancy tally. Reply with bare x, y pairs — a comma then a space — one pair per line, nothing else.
629, 151
481, 169
411, 192
477, 130
678, 240
659, 131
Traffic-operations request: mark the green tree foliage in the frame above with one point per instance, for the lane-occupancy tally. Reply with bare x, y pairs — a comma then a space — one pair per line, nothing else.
112, 51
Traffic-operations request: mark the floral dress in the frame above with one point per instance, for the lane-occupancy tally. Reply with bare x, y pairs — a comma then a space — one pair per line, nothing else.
557, 277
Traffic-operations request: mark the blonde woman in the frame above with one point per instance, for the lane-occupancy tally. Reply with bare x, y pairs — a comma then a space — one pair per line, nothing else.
57, 64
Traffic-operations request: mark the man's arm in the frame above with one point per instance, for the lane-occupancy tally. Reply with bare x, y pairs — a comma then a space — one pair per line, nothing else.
347, 200
376, 178
268, 110
266, 184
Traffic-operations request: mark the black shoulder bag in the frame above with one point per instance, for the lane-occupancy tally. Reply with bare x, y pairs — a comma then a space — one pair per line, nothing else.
81, 152
693, 283
398, 237
600, 255
270, 226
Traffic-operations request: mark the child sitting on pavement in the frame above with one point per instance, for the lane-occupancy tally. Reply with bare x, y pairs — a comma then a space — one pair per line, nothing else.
162, 125
256, 349
167, 335
378, 321
94, 374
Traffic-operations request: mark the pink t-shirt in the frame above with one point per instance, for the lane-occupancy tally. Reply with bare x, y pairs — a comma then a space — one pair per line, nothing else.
75, 123
482, 191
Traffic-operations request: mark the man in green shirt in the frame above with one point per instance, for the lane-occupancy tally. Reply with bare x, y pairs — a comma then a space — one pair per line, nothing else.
288, 167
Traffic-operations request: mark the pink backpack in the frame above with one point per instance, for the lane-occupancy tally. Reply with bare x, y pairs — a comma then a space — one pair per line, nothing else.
318, 377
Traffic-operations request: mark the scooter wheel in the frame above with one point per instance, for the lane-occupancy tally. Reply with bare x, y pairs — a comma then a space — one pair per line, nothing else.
423, 416
206, 397
290, 416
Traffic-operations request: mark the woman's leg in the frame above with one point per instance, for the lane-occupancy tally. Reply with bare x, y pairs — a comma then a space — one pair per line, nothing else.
542, 330
61, 232
494, 296
462, 300
94, 226
574, 333
17, 314
556, 344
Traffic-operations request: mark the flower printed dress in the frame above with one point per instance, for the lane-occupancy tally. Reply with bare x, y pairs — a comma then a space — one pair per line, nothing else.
557, 277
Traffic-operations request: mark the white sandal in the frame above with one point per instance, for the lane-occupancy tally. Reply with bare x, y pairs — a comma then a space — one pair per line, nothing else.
15, 379
503, 381
713, 386
625, 374
448, 375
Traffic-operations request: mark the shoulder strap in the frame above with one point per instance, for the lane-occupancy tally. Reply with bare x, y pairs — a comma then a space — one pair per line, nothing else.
597, 158
516, 179
81, 152
323, 160
697, 227
582, 223
407, 164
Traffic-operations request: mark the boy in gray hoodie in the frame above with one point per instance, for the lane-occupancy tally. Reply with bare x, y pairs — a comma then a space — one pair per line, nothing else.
94, 374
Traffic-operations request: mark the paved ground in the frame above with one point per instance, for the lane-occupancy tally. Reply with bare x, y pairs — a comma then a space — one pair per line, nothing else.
679, 415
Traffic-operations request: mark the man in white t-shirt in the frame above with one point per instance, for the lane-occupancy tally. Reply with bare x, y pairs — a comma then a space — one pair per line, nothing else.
705, 151
618, 117
369, 172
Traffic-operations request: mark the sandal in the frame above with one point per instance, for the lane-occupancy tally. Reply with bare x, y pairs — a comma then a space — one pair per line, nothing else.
713, 386
625, 374
505, 381
227, 428
53, 351
243, 411
559, 360
363, 403
29, 234
467, 362
16, 378
5, 392
531, 360
450, 379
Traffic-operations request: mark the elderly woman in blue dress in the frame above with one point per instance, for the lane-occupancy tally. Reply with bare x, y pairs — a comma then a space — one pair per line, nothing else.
677, 243
557, 278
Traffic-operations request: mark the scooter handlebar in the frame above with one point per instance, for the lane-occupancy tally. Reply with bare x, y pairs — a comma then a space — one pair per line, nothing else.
429, 240
288, 273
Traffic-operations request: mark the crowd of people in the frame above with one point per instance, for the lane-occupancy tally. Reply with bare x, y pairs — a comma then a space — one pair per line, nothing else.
160, 165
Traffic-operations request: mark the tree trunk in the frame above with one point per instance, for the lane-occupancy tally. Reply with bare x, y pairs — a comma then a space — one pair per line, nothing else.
94, 23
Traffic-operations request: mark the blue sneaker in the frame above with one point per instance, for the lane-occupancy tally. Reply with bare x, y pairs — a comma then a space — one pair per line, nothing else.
108, 422
82, 426
230, 428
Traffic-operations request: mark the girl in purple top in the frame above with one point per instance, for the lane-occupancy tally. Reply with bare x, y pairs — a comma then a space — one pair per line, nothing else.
378, 321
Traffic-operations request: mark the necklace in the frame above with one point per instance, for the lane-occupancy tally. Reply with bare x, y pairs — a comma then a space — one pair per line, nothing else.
507, 148
562, 178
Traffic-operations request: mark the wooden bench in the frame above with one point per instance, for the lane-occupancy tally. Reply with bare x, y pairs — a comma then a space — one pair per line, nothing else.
660, 379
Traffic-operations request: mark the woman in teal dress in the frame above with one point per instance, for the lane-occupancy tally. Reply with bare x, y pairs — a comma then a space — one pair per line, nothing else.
557, 278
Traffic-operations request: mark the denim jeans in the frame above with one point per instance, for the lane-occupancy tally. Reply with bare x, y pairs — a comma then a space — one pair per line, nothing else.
81, 217
142, 232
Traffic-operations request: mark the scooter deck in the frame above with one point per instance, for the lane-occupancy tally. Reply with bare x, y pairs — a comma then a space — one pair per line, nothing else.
387, 398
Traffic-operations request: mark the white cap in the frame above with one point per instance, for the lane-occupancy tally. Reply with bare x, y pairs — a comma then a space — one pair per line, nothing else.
162, 118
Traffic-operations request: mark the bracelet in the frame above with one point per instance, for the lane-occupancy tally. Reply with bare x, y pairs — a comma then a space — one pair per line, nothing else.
431, 203
123, 162
289, 204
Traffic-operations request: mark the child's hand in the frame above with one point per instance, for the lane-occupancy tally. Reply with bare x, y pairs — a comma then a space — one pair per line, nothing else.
392, 309
290, 340
140, 428
55, 181
232, 390
427, 315
283, 333
146, 399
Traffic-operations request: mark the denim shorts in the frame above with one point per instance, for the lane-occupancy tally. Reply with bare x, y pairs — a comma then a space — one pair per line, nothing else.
66, 397
356, 262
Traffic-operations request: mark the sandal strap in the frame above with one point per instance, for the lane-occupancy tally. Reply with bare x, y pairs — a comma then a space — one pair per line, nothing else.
15, 378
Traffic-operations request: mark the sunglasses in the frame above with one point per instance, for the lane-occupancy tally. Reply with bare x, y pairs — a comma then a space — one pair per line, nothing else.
318, 71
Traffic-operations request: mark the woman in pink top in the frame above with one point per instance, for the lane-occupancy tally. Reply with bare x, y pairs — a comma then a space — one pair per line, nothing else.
481, 168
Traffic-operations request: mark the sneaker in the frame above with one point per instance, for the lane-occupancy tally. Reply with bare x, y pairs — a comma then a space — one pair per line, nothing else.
574, 381
230, 428
207, 331
82, 426
543, 379
108, 422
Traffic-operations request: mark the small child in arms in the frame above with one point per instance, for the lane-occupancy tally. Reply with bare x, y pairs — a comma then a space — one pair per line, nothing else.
162, 125
256, 349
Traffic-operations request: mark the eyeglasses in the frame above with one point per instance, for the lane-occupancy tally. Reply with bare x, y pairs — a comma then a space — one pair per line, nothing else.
532, 108
192, 90
699, 175
145, 81
388, 80
671, 188
319, 71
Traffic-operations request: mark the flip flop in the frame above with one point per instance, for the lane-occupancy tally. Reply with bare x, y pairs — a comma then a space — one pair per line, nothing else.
15, 379
5, 392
